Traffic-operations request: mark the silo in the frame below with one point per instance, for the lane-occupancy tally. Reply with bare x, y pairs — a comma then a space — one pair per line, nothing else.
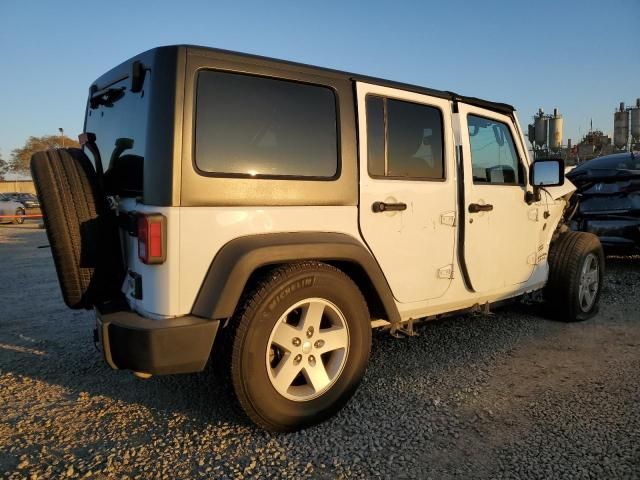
634, 115
540, 125
620, 127
555, 130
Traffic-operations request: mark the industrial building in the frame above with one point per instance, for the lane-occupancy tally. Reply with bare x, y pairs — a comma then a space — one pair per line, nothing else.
545, 136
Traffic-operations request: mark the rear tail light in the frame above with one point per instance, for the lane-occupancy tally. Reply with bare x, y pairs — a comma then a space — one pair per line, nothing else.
152, 238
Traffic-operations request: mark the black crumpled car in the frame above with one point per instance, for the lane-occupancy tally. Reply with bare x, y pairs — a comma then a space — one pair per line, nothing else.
609, 200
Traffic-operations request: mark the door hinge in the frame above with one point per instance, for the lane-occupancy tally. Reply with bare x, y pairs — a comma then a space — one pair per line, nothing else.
533, 214
532, 259
448, 218
446, 272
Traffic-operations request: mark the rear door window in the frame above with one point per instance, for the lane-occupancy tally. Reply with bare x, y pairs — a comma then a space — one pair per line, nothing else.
263, 127
404, 140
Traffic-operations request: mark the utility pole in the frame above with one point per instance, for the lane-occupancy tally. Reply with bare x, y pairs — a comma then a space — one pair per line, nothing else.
61, 130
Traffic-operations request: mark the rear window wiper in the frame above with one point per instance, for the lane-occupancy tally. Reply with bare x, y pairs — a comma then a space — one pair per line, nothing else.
106, 97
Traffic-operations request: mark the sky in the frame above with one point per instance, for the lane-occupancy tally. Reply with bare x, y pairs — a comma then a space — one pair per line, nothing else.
580, 56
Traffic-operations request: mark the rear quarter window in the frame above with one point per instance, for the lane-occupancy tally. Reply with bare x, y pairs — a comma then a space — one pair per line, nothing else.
254, 126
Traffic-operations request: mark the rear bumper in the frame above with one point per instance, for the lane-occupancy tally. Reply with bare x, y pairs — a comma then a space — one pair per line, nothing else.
176, 345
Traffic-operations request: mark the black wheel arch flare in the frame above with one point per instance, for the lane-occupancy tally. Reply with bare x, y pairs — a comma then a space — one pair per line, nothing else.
237, 260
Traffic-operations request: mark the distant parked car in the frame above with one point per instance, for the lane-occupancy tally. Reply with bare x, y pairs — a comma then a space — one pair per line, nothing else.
29, 200
10, 210
609, 206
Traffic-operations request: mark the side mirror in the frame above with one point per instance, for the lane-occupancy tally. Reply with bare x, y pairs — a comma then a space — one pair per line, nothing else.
547, 173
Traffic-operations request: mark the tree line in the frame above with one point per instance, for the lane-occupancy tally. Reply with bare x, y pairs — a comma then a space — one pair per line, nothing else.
20, 158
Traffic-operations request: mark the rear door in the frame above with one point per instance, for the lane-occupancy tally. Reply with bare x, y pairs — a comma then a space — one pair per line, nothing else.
407, 189
501, 229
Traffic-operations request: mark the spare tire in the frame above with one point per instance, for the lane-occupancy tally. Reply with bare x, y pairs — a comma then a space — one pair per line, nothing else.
82, 229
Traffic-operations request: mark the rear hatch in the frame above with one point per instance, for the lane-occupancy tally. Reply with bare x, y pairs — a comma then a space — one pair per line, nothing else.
131, 112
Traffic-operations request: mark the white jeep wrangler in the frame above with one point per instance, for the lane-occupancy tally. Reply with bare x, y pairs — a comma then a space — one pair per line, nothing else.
270, 214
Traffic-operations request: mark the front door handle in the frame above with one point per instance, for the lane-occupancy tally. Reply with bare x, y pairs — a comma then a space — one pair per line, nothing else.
378, 207
476, 207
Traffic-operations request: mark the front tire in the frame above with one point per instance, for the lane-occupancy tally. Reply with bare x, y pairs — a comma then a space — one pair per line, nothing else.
301, 346
576, 271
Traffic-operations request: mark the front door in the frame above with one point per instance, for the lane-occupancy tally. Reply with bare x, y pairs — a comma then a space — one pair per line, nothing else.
501, 229
407, 189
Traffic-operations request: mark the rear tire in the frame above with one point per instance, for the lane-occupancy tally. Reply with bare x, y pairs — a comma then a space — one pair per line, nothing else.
327, 320
19, 216
576, 271
81, 228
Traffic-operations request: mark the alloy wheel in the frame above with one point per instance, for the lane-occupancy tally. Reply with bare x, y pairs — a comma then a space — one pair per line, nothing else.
307, 349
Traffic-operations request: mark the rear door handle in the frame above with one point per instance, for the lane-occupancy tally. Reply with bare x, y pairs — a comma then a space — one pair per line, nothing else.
378, 207
476, 207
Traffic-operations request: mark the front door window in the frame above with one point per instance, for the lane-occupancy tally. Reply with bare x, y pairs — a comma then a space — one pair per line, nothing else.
493, 154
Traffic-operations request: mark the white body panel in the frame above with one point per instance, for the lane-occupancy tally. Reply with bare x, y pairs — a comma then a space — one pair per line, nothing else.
411, 246
196, 234
204, 230
160, 283
459, 297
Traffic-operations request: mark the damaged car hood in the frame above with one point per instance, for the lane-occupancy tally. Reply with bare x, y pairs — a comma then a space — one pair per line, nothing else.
608, 191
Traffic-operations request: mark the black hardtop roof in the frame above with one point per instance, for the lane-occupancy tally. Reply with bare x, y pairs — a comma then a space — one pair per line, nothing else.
122, 69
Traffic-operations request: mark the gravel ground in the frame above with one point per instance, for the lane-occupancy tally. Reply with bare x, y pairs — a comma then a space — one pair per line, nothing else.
505, 396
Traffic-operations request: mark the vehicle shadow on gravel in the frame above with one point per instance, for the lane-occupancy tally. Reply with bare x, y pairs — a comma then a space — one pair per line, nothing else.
439, 347
200, 396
